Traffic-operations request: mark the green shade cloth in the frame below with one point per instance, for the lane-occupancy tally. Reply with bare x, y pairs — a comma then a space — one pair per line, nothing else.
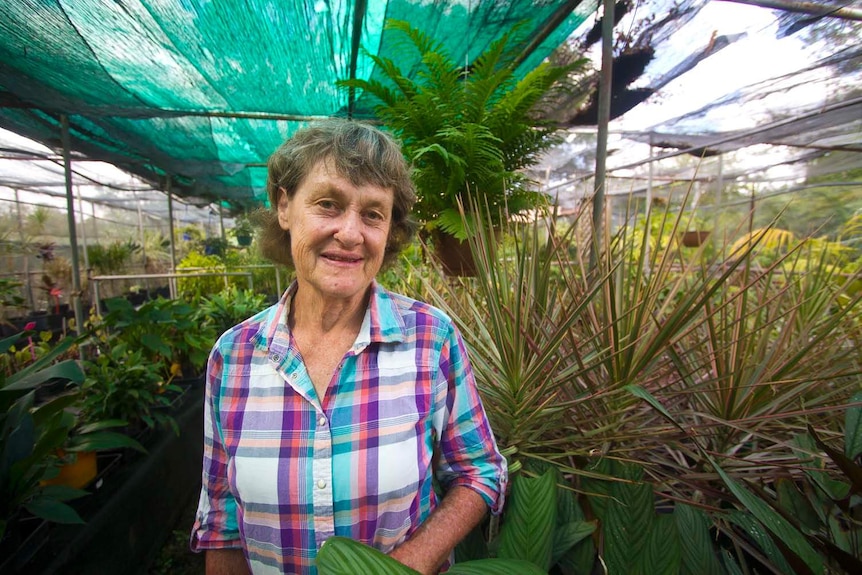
205, 90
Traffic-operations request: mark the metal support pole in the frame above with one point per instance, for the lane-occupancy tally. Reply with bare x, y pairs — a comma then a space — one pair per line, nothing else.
83, 230
221, 223
604, 114
70, 217
172, 281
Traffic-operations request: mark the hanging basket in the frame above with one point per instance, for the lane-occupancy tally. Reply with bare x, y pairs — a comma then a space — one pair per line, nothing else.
453, 254
244, 241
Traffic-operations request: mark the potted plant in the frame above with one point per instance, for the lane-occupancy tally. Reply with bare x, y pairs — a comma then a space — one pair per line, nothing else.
243, 230
37, 439
468, 133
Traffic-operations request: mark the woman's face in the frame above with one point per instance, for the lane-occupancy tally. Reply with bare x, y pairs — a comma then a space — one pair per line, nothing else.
338, 233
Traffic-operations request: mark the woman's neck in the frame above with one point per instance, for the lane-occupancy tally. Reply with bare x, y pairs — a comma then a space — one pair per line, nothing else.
322, 316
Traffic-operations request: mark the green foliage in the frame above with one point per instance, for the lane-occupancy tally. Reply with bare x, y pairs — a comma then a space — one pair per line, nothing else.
528, 528
121, 384
465, 132
230, 307
344, 556
11, 299
112, 259
242, 229
732, 358
196, 262
171, 334
31, 436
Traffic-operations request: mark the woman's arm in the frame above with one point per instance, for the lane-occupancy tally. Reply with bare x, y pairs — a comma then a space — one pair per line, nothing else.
429, 547
226, 562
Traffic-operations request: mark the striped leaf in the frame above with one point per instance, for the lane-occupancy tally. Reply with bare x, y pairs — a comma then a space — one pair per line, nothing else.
472, 547
662, 555
698, 553
627, 525
343, 556
568, 535
528, 529
495, 567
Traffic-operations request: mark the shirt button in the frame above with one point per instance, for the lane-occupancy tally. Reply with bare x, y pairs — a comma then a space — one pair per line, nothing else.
275, 357
322, 421
321, 483
293, 376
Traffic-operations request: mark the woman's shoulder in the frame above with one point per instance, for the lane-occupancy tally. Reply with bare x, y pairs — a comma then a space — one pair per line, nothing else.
414, 311
247, 330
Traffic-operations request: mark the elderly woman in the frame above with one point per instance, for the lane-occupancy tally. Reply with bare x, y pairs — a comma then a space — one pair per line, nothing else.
331, 412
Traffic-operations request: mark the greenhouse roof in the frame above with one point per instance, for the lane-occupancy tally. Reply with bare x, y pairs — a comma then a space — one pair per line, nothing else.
204, 91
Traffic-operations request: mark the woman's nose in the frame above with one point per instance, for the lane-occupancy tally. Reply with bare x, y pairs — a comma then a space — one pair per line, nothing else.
349, 230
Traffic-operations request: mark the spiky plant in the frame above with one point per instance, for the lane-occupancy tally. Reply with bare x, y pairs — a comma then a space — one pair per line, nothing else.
736, 359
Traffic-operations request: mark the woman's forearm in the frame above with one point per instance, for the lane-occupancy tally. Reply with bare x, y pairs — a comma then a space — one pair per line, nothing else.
429, 547
226, 562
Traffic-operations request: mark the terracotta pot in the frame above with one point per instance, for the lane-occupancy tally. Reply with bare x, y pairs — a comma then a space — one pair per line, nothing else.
692, 239
453, 254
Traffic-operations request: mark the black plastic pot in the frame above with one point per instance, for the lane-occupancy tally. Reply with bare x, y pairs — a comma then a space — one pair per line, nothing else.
132, 511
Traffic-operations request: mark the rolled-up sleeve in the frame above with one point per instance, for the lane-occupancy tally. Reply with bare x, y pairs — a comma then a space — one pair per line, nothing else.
215, 524
468, 454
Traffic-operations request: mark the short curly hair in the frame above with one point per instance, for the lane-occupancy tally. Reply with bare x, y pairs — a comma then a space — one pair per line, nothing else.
360, 153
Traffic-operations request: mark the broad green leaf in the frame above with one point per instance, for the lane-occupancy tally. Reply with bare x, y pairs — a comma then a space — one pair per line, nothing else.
568, 509
662, 554
472, 547
853, 429
568, 535
697, 550
495, 567
529, 520
580, 558
628, 523
101, 425
101, 440
53, 510
343, 556
44, 361
62, 492
156, 343
68, 369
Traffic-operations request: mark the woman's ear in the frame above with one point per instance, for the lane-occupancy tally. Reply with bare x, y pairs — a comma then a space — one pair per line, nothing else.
283, 208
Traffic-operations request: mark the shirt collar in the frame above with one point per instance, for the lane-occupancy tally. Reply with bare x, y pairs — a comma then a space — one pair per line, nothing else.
382, 321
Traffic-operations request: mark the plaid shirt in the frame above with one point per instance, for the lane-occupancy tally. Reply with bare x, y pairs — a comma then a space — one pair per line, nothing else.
282, 473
